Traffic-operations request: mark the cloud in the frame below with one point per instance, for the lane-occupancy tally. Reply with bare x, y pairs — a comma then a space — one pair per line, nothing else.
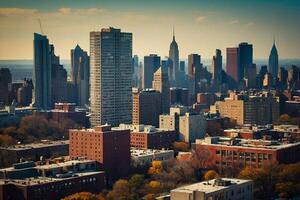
250, 24
200, 19
81, 11
234, 21
64, 11
16, 11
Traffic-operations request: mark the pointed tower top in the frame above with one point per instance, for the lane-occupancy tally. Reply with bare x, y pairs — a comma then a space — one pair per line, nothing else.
173, 33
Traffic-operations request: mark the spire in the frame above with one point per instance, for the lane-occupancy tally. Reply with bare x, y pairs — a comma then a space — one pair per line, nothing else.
173, 33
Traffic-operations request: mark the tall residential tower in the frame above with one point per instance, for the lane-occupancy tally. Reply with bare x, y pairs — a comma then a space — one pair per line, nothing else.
111, 76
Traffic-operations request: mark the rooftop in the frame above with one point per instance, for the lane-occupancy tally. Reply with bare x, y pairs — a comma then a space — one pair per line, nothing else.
147, 152
211, 185
245, 143
45, 143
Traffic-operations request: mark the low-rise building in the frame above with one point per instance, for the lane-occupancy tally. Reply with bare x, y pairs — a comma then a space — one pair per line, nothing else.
51, 181
221, 189
142, 157
192, 126
149, 137
226, 151
34, 152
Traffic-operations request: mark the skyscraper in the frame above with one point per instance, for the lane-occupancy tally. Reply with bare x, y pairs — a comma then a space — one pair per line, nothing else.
217, 66
232, 63
194, 67
161, 83
80, 75
174, 58
42, 72
136, 71
58, 78
245, 59
273, 61
111, 74
151, 64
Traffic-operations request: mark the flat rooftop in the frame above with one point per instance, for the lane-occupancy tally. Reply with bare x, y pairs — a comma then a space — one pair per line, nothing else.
147, 152
36, 145
209, 186
245, 143
44, 180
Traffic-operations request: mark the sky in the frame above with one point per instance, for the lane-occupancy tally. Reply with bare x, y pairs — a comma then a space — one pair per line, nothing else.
201, 26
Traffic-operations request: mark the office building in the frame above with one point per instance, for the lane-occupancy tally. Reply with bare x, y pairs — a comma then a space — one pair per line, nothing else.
110, 147
192, 126
161, 83
58, 79
232, 63
149, 137
216, 67
151, 64
111, 76
194, 65
226, 151
80, 75
273, 61
174, 62
5, 84
136, 71
171, 121
245, 59
179, 96
24, 93
221, 189
146, 106
249, 109
42, 72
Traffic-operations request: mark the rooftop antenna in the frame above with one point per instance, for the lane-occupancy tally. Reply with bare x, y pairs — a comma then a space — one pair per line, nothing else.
41, 26
173, 33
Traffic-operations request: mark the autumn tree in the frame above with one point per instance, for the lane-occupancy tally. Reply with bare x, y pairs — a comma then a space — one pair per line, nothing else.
210, 174
120, 191
83, 196
156, 167
181, 146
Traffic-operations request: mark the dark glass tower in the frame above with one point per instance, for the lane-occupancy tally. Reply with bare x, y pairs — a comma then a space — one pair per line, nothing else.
245, 59
273, 61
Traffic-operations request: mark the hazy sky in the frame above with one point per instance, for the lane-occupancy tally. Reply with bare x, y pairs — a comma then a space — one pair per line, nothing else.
200, 26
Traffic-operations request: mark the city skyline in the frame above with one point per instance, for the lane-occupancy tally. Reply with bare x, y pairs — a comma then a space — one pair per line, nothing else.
201, 27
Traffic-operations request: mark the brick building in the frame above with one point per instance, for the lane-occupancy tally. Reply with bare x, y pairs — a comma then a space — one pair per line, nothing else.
234, 151
149, 137
26, 181
110, 147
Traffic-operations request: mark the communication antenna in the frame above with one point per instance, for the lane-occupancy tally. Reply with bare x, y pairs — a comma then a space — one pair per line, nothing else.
41, 26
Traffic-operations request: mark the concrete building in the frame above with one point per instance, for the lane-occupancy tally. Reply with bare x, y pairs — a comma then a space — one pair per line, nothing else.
194, 67
151, 64
249, 109
50, 181
171, 121
226, 151
146, 106
42, 72
111, 77
149, 137
232, 63
110, 147
192, 126
80, 75
215, 189
144, 157
33, 152
161, 83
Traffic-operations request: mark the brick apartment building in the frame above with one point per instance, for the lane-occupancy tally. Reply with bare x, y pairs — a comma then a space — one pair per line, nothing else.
235, 151
149, 137
110, 147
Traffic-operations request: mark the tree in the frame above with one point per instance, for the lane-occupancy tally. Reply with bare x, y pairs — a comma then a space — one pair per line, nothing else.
210, 174
83, 196
181, 146
156, 167
121, 191
153, 187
